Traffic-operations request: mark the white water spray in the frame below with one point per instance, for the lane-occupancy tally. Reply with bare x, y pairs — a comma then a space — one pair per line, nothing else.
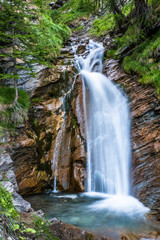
107, 127
108, 137
56, 155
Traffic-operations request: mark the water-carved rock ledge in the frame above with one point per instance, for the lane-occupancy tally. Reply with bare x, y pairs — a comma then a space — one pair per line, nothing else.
145, 134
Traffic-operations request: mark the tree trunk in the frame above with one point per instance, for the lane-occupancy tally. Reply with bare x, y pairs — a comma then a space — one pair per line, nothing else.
141, 7
14, 68
142, 13
115, 9
16, 92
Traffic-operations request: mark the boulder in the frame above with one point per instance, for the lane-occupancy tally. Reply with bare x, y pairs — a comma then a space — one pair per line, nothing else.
10, 183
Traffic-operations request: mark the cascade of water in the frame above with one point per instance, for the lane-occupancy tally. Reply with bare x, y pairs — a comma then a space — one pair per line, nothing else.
56, 155
107, 126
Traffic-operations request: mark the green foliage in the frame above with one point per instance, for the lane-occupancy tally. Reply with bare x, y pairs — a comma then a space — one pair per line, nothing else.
132, 37
11, 115
74, 123
6, 205
128, 7
145, 62
71, 11
7, 96
144, 58
31, 34
42, 227
102, 25
51, 36
34, 100
11, 225
78, 29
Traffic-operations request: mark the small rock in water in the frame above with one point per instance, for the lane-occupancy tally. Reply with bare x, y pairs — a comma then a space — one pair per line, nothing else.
64, 50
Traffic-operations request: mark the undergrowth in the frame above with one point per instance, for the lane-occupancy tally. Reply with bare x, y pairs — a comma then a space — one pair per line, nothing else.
108, 22
7, 95
12, 115
139, 51
13, 226
145, 61
71, 11
143, 55
102, 25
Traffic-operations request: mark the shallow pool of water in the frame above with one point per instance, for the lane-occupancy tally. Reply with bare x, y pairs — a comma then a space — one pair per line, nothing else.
90, 212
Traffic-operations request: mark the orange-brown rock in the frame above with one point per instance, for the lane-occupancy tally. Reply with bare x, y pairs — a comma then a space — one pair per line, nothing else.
33, 153
52, 144
68, 232
70, 163
145, 134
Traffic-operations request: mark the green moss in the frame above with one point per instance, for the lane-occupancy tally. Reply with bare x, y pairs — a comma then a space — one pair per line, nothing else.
1, 131
111, 53
145, 62
74, 123
90, 237
36, 127
103, 25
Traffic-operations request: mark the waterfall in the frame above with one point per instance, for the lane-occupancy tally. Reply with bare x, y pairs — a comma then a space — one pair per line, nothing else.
107, 126
56, 155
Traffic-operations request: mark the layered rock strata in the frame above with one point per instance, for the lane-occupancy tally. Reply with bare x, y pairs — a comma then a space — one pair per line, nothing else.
145, 134
69, 153
56, 107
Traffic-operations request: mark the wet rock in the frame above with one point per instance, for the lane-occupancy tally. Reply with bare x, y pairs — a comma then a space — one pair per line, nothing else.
145, 135
32, 159
20, 204
81, 48
70, 163
68, 232
57, 4
39, 142
65, 50
33, 153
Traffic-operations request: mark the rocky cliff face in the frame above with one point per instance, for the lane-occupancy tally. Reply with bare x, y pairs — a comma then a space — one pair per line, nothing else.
145, 136
52, 142
7, 172
69, 154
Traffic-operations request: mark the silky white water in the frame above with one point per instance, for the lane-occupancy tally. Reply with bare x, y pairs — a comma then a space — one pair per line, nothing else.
106, 205
107, 127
